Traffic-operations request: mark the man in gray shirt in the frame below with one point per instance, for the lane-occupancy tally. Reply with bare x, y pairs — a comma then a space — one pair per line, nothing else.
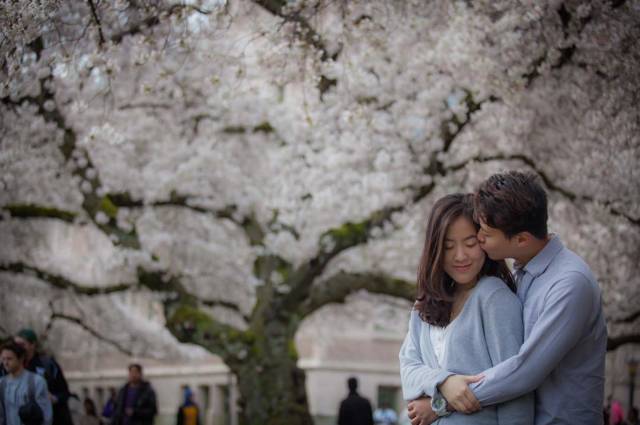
18, 386
565, 338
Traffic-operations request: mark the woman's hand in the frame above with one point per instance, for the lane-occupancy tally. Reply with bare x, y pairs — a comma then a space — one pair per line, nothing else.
420, 411
455, 389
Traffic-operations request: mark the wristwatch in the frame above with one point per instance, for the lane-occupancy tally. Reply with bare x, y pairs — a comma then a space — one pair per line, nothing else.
439, 405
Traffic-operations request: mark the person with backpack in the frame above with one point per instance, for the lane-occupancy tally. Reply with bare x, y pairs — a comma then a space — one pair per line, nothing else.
24, 399
47, 367
188, 412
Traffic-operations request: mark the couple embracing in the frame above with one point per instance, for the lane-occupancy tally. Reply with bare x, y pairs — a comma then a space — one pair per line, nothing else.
488, 347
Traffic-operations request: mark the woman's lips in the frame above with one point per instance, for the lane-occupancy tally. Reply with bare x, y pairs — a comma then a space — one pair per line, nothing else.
462, 268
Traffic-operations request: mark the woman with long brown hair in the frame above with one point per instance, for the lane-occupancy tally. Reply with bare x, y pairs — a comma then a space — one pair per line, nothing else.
466, 317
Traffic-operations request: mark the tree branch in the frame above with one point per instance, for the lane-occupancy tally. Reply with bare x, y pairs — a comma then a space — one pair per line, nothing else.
307, 34
304, 30
79, 322
210, 302
37, 211
96, 21
249, 224
628, 319
156, 281
448, 136
337, 240
566, 53
144, 105
99, 209
161, 281
548, 182
156, 19
615, 342
62, 282
191, 325
338, 287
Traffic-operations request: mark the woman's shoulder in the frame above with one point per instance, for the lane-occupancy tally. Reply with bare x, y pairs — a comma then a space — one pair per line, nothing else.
493, 292
489, 285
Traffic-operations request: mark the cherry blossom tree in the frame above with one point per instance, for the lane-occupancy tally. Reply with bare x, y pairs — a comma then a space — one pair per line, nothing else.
239, 165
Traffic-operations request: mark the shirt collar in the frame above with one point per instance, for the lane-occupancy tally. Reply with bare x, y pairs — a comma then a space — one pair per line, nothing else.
538, 264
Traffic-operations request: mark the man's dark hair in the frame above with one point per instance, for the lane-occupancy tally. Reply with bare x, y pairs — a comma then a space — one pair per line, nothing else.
352, 383
513, 202
136, 366
18, 350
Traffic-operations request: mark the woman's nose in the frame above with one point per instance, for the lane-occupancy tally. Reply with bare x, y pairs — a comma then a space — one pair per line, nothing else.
460, 254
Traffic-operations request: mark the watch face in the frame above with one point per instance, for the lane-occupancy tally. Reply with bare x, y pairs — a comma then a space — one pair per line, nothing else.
438, 404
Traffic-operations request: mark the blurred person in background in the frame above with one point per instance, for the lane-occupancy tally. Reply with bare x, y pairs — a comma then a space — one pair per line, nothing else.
20, 387
110, 405
136, 400
188, 412
355, 409
385, 415
89, 414
632, 417
47, 367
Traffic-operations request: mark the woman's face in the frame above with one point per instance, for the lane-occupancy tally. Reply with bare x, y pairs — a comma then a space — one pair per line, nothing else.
463, 257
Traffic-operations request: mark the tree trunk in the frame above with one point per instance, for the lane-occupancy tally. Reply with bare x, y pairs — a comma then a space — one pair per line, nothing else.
271, 386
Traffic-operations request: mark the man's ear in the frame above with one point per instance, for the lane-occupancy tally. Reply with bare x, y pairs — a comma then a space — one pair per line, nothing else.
523, 239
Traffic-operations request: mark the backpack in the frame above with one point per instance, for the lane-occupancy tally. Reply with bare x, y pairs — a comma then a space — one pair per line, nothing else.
30, 413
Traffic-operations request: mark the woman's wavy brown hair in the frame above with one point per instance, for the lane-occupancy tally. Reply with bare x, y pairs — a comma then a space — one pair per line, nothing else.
435, 287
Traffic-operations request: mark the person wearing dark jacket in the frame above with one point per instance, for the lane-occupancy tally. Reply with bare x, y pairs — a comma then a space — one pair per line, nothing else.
355, 409
50, 370
136, 401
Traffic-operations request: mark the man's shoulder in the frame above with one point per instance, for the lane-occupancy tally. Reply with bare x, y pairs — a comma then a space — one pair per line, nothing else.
569, 278
146, 386
569, 261
43, 361
569, 266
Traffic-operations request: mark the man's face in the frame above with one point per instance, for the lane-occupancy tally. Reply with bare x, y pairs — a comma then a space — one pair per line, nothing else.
495, 243
10, 361
28, 346
135, 375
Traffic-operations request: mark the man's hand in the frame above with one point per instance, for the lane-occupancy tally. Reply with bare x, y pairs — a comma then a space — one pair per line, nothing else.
128, 411
420, 411
459, 397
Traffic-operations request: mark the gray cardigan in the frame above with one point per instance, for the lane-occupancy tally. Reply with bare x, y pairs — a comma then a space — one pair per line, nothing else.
487, 331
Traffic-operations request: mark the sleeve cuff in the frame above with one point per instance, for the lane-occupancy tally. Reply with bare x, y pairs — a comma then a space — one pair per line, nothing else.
432, 389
